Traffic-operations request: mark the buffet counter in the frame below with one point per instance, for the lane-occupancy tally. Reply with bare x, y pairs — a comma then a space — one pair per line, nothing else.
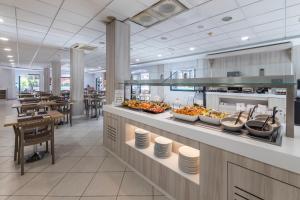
219, 154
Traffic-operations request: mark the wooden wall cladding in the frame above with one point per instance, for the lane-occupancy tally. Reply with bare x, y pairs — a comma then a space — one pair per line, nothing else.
177, 186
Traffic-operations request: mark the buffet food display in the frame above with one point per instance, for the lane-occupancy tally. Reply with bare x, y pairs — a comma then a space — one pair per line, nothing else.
260, 126
147, 106
254, 124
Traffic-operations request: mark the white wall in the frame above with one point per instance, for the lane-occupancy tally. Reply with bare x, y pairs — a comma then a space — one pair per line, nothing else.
7, 82
89, 79
274, 63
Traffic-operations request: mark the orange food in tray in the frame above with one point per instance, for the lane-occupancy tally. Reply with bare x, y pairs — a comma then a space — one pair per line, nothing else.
153, 107
191, 110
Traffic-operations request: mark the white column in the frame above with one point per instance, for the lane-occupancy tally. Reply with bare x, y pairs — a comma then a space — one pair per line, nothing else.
77, 80
46, 79
11, 93
56, 74
117, 57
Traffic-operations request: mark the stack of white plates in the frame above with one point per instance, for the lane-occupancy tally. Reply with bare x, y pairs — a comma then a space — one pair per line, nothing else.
142, 138
189, 159
163, 147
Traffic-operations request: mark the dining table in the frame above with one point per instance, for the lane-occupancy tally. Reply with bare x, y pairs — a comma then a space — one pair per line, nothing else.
15, 121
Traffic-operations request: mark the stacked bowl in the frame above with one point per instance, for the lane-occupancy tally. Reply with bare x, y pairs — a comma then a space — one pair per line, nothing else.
162, 147
142, 138
189, 160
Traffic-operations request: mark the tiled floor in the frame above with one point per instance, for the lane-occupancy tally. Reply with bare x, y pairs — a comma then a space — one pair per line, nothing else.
83, 169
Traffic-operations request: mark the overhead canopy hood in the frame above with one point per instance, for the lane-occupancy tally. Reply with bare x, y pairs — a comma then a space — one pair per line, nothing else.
158, 12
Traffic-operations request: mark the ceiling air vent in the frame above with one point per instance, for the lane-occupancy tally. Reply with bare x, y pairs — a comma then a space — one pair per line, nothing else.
84, 47
158, 12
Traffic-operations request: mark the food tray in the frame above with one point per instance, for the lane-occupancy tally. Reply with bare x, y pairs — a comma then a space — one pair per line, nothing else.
210, 120
190, 118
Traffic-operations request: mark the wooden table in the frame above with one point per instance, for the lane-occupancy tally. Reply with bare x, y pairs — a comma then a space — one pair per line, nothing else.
12, 120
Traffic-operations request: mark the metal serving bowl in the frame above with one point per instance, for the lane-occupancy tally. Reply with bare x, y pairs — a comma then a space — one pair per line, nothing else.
254, 127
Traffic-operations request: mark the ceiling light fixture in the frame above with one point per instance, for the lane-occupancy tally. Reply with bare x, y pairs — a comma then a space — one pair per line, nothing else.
10, 56
3, 38
159, 12
137, 60
245, 38
227, 19
192, 48
11, 60
7, 49
159, 55
1, 20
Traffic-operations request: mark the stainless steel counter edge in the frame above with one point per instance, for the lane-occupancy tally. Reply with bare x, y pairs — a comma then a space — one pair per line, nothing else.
286, 156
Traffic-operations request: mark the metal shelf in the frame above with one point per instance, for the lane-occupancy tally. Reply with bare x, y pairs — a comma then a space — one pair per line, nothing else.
254, 81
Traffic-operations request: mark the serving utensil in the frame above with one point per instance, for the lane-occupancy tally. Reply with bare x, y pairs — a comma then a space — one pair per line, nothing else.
273, 114
238, 118
265, 123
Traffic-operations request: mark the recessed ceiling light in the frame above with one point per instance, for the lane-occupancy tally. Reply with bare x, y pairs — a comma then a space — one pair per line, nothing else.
10, 56
3, 38
1, 20
11, 60
227, 19
245, 38
137, 60
192, 48
159, 55
7, 49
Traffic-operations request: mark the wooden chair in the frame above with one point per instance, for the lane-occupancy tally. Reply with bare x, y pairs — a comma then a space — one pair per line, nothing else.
66, 109
44, 132
96, 105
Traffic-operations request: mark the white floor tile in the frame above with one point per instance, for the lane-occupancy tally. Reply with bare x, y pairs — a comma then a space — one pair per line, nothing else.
88, 164
112, 164
73, 184
41, 184
105, 184
134, 185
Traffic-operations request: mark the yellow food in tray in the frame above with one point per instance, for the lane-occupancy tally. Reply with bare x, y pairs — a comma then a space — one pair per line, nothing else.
215, 114
190, 110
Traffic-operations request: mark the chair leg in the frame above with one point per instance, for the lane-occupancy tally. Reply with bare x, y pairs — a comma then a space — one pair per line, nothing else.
16, 147
47, 148
52, 150
19, 151
22, 156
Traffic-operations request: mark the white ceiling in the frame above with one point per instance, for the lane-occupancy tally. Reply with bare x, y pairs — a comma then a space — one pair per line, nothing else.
42, 30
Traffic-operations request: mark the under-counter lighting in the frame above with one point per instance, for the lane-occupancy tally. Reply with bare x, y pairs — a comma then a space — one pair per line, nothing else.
245, 38
10, 56
159, 55
3, 38
7, 49
192, 48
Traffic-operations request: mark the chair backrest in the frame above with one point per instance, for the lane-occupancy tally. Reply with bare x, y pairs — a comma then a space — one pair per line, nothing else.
37, 124
29, 107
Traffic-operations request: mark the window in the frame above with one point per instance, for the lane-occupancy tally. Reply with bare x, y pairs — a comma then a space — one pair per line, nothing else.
29, 83
65, 83
183, 74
